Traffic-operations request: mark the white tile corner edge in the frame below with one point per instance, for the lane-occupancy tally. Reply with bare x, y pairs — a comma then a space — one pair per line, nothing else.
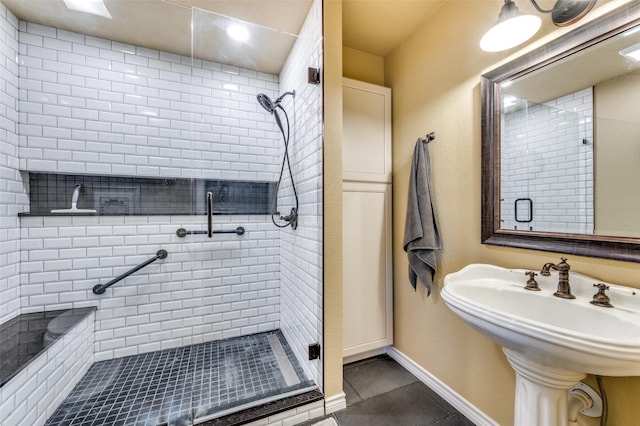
466, 408
335, 403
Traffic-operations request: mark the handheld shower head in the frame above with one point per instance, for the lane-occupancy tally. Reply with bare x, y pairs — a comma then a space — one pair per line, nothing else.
269, 105
272, 108
266, 103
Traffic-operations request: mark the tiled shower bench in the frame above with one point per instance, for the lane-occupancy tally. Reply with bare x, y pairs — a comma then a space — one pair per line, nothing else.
42, 357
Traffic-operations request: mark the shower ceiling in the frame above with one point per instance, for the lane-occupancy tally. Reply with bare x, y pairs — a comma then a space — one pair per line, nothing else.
165, 26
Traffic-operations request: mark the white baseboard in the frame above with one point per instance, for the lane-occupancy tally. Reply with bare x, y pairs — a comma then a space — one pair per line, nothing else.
335, 403
469, 410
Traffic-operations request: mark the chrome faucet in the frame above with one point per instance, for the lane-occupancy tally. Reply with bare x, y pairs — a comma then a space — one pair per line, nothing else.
564, 290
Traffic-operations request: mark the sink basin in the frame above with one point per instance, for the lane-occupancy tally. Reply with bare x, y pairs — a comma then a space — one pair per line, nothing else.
552, 343
565, 333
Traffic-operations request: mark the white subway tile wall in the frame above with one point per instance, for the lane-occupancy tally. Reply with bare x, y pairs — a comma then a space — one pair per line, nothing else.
89, 105
34, 394
12, 190
205, 289
80, 104
301, 250
547, 156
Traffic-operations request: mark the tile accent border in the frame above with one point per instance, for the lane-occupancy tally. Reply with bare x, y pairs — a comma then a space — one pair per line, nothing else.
466, 408
123, 195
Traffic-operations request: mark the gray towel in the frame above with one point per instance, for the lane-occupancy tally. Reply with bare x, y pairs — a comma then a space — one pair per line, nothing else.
421, 238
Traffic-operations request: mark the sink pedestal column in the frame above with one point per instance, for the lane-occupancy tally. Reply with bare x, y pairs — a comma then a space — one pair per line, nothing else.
541, 391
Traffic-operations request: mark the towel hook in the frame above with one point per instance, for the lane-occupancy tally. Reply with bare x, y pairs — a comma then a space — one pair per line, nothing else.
430, 136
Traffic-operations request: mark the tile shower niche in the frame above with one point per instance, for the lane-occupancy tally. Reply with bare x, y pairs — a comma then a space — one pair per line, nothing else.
121, 195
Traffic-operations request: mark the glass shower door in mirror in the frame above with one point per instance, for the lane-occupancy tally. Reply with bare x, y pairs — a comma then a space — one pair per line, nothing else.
547, 173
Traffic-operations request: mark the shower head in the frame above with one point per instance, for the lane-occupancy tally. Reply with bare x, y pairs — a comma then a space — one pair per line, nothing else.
266, 103
270, 105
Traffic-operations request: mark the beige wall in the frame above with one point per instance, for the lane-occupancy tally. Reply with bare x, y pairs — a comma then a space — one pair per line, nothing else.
617, 128
332, 149
434, 76
362, 66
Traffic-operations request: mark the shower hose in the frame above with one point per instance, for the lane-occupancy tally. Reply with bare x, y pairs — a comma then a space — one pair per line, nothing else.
292, 218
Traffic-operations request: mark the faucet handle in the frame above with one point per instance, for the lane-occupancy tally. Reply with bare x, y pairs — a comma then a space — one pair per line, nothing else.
600, 298
532, 285
563, 263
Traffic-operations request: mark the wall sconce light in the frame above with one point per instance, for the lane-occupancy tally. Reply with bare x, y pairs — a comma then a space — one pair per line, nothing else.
514, 28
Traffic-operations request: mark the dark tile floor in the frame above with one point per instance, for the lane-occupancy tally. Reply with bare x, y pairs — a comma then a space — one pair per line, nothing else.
173, 386
381, 393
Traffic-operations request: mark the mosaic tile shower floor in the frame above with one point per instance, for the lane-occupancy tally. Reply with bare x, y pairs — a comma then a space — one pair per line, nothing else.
184, 385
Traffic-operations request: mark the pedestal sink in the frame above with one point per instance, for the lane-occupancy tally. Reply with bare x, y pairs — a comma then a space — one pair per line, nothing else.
551, 343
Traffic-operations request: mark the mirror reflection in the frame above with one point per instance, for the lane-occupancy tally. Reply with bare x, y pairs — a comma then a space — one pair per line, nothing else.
570, 143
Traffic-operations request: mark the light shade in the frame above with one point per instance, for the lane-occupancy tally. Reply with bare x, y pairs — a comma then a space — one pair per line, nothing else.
512, 29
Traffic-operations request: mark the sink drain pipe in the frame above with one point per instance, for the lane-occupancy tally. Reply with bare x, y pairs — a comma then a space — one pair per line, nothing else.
578, 400
605, 405
585, 400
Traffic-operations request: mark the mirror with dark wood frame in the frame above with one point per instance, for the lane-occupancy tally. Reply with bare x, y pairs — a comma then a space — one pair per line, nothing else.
540, 194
